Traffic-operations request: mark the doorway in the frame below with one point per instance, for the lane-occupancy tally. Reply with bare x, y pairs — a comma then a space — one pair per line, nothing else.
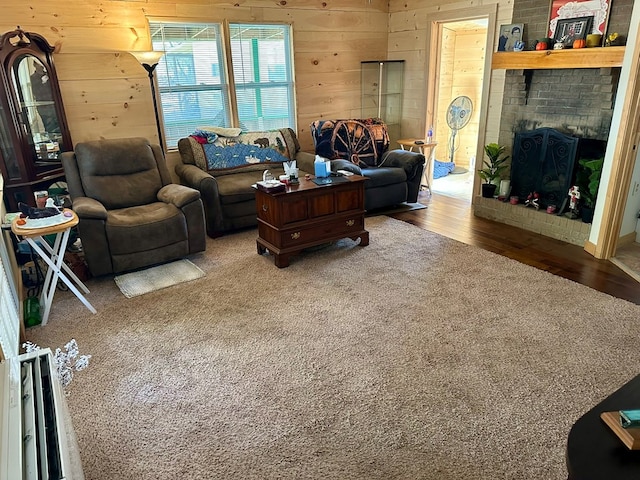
459, 77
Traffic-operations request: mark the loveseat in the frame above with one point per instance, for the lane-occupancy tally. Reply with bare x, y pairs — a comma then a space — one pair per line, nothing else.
362, 147
223, 163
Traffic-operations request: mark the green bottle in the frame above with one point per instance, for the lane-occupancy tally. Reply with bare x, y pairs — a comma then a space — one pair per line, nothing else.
31, 312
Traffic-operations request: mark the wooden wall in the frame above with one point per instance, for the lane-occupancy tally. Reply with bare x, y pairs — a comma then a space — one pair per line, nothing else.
409, 22
461, 73
106, 92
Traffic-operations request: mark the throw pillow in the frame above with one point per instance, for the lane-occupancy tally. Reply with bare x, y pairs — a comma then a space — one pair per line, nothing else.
222, 131
361, 141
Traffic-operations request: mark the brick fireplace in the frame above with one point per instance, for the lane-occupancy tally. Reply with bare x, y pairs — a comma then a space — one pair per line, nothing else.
575, 101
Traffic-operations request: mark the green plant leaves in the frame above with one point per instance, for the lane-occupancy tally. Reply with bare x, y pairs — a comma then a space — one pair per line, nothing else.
493, 167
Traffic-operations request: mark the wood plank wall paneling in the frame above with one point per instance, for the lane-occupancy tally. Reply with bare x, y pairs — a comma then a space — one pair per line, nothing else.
468, 66
444, 92
106, 92
408, 22
462, 62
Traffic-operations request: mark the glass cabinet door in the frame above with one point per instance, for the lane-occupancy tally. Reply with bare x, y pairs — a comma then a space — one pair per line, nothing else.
382, 86
38, 110
33, 127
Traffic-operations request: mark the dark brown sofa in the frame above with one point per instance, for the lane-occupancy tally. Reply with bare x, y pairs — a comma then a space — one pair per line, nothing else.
227, 195
131, 215
362, 147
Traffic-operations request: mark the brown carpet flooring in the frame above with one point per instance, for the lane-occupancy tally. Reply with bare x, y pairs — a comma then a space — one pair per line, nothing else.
416, 357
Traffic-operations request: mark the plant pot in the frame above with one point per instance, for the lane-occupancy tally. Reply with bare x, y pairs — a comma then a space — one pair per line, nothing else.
488, 190
587, 214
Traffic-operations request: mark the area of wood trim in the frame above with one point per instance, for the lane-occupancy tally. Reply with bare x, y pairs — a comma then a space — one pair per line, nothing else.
590, 248
627, 239
570, 58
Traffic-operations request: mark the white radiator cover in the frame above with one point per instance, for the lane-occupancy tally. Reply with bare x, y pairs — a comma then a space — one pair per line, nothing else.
36, 435
37, 439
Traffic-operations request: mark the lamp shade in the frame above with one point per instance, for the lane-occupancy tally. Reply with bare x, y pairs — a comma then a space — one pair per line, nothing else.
149, 58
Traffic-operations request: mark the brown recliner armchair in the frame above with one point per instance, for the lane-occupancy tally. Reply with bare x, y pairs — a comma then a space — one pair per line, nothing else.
131, 214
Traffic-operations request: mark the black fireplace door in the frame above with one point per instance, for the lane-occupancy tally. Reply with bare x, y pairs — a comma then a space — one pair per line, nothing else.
543, 162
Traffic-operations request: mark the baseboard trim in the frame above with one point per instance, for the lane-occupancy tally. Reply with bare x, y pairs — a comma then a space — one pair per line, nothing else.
627, 239
590, 248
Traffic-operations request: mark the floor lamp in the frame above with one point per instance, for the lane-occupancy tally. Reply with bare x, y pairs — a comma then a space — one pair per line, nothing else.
149, 60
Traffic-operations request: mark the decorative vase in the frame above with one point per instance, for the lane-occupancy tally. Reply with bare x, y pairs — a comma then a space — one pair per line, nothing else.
488, 190
505, 188
594, 40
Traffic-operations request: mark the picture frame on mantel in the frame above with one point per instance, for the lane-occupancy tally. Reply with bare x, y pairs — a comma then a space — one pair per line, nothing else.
570, 29
510, 37
566, 9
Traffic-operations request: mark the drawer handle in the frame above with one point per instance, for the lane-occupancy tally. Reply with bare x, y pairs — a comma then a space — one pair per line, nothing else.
295, 235
264, 208
350, 223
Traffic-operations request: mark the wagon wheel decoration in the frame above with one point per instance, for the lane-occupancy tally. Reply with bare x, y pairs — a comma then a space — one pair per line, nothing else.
352, 140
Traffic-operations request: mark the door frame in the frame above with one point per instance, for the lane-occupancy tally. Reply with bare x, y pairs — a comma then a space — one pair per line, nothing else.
434, 36
625, 151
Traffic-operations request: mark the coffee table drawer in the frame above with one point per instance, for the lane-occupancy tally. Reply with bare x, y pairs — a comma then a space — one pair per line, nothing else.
322, 231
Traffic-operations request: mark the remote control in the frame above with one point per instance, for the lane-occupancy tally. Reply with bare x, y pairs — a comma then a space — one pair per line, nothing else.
346, 173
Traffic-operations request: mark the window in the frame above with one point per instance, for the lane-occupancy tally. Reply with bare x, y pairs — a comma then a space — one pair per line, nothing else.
263, 76
192, 77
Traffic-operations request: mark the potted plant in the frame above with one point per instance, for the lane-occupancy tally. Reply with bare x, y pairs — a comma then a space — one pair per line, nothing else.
492, 168
588, 180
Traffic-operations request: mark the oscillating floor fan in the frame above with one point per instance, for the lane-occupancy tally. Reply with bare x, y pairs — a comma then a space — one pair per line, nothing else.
458, 115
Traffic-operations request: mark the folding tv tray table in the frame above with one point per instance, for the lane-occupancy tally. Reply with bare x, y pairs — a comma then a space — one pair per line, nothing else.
54, 258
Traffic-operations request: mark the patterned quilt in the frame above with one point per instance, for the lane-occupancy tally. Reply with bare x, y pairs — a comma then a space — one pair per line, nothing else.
225, 153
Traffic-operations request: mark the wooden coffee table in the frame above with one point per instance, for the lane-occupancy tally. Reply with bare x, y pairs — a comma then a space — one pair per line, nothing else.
307, 215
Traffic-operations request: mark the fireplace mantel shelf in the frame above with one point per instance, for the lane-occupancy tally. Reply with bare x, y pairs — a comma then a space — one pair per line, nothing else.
570, 58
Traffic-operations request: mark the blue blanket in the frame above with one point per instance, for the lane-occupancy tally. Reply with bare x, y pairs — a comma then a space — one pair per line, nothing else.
239, 154
442, 169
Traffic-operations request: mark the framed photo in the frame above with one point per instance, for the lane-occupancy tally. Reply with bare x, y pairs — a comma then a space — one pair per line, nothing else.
565, 9
571, 29
510, 35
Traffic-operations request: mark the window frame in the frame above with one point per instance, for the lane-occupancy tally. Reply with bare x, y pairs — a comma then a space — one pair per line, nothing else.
226, 59
291, 84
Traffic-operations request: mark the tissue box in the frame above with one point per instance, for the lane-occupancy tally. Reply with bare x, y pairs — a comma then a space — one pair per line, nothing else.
321, 168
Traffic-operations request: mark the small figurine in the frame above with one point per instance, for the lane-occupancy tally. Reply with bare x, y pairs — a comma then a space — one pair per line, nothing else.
533, 200
574, 196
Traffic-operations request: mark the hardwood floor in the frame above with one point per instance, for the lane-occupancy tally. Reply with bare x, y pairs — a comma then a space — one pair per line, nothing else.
453, 218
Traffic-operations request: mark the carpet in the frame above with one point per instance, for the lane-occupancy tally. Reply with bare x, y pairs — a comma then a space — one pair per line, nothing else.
156, 278
416, 357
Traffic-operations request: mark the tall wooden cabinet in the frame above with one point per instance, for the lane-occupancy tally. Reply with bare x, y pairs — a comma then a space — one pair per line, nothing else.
33, 126
382, 87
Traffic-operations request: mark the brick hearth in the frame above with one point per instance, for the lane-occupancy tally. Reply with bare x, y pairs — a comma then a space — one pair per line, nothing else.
577, 102
539, 221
